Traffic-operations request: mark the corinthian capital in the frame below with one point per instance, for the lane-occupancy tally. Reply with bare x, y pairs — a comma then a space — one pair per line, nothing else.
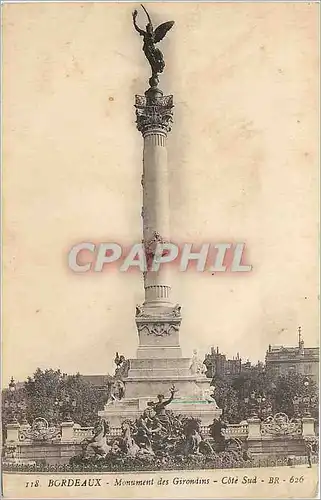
154, 113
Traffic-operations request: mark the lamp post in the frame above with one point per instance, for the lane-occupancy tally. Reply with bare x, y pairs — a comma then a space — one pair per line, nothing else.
246, 403
65, 406
257, 404
253, 405
12, 405
302, 404
306, 398
296, 406
259, 400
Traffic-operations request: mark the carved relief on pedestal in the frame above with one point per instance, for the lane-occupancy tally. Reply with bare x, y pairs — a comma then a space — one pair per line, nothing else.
161, 324
158, 329
154, 113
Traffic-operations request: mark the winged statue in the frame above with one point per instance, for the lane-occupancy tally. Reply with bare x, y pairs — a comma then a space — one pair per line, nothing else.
152, 36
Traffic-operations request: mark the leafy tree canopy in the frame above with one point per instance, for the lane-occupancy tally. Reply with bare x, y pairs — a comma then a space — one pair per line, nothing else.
52, 394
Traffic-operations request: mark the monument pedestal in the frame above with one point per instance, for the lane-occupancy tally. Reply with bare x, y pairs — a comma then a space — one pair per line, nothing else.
149, 377
132, 409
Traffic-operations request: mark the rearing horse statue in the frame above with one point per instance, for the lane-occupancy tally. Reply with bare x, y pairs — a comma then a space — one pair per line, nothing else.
97, 445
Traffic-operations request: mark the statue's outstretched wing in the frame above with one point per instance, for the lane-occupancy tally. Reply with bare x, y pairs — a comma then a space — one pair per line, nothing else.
161, 30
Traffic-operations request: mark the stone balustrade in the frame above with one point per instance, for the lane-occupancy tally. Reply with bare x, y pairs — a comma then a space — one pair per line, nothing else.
233, 430
115, 432
78, 433
81, 433
204, 430
253, 429
236, 430
67, 432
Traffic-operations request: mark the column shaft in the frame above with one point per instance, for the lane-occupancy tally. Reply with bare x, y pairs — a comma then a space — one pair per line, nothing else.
155, 213
157, 320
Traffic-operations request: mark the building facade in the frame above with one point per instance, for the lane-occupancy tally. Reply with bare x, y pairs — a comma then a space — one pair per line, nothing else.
281, 360
218, 366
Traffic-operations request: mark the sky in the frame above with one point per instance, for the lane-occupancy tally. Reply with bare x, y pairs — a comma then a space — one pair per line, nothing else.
243, 163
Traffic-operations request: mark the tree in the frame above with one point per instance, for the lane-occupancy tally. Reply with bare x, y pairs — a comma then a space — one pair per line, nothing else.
51, 394
89, 400
227, 399
42, 391
270, 394
291, 386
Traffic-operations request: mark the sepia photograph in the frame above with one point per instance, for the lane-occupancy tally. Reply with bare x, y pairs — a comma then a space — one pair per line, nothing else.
160, 291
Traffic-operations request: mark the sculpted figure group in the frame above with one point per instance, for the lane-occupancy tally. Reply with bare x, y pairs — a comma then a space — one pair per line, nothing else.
159, 433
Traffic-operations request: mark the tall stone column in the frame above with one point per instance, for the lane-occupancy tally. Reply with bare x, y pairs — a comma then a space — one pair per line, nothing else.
159, 363
157, 320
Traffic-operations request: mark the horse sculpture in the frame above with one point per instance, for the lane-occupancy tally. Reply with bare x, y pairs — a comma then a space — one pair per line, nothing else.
97, 445
127, 442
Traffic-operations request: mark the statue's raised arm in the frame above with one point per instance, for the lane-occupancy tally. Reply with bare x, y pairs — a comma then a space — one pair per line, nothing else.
137, 28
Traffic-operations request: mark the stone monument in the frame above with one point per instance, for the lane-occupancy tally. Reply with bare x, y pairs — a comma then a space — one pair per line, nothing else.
159, 364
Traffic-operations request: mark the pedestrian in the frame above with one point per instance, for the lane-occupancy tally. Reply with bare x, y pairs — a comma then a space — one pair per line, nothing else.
309, 448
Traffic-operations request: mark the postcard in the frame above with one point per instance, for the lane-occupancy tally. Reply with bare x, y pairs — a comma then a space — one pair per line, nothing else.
160, 286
